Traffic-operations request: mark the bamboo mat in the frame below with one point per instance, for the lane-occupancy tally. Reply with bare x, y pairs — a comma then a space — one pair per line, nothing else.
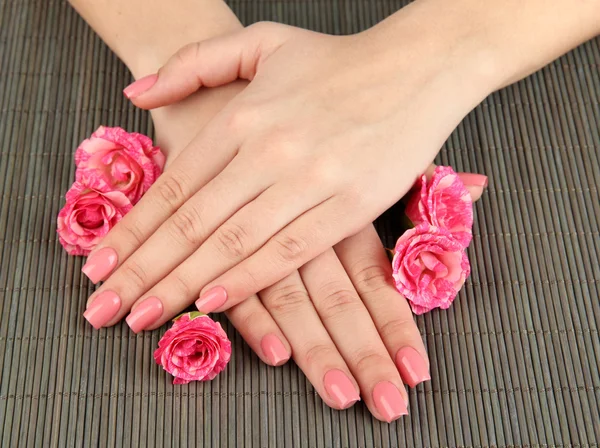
514, 362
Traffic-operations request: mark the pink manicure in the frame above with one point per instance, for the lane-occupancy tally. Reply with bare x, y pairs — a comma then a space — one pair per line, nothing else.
100, 264
340, 388
104, 307
473, 179
138, 87
145, 314
389, 401
413, 368
211, 299
274, 350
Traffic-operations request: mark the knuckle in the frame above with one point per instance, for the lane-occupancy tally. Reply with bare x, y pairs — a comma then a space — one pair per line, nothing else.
263, 26
231, 241
367, 358
188, 53
135, 274
371, 278
172, 190
240, 118
394, 328
281, 145
182, 284
132, 233
318, 353
338, 302
247, 319
185, 226
286, 300
291, 248
326, 172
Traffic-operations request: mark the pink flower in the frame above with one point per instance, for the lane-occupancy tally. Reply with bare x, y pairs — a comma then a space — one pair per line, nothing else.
429, 267
115, 160
87, 216
444, 202
195, 348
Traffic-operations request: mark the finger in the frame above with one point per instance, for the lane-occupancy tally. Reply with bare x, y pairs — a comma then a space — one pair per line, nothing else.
260, 331
312, 348
237, 238
211, 63
348, 322
367, 265
299, 242
188, 173
182, 234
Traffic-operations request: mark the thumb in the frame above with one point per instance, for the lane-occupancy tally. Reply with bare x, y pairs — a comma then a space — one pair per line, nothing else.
210, 63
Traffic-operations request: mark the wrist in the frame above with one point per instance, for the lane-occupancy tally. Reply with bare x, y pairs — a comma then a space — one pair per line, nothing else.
426, 47
488, 45
146, 34
147, 53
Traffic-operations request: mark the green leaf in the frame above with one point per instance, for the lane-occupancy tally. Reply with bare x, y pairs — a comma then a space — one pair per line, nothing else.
195, 314
192, 314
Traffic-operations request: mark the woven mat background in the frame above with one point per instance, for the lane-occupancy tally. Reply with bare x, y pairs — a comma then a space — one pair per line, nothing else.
514, 362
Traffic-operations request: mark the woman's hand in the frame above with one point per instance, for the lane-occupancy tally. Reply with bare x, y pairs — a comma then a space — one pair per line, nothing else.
327, 135
348, 329
316, 313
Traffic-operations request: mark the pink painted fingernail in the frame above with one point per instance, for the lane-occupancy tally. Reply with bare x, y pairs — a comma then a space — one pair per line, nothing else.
413, 368
211, 299
100, 264
389, 401
145, 314
103, 308
340, 388
138, 87
473, 179
274, 350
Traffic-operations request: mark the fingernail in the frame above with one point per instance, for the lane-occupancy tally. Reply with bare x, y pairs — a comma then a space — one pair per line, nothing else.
473, 179
340, 388
274, 350
413, 368
389, 401
145, 314
211, 299
102, 309
100, 264
138, 87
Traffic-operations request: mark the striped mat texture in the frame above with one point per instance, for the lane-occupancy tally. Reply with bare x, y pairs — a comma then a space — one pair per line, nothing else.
514, 362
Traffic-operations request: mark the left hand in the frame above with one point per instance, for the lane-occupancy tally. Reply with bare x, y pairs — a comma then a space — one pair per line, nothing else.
288, 168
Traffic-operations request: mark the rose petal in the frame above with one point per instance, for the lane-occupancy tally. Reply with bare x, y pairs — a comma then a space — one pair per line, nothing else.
87, 216
443, 201
429, 267
115, 160
193, 349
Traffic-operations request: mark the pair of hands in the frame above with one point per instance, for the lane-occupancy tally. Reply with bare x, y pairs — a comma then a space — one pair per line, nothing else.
283, 173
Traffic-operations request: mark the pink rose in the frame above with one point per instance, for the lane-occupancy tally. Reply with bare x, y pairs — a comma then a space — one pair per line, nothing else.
87, 216
115, 160
195, 348
443, 202
429, 267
